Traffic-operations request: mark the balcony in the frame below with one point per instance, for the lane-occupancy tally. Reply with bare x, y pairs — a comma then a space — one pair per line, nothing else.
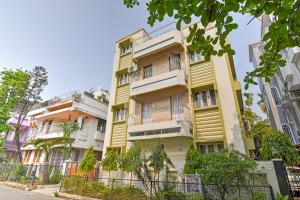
55, 131
160, 123
157, 40
99, 135
160, 76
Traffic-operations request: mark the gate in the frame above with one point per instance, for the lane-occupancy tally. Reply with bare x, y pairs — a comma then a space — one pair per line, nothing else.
293, 175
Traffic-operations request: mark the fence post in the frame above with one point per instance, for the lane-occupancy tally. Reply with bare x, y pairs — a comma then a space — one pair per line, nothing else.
282, 177
272, 193
33, 179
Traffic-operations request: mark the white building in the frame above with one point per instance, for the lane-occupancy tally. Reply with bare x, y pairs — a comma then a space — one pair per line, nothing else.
87, 109
282, 94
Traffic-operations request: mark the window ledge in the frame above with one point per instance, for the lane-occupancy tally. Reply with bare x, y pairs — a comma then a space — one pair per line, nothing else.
206, 108
119, 122
122, 84
125, 54
198, 62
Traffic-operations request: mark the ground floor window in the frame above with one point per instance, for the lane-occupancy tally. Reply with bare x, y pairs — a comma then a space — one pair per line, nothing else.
210, 148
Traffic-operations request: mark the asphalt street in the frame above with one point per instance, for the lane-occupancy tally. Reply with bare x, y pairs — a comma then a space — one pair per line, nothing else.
7, 193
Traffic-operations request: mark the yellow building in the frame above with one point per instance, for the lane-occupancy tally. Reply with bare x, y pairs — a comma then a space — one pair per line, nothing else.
161, 89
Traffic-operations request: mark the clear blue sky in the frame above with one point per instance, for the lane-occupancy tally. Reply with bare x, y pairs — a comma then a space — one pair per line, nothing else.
75, 39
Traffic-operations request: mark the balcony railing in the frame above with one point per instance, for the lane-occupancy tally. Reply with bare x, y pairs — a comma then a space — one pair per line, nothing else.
75, 95
178, 113
155, 70
55, 130
156, 33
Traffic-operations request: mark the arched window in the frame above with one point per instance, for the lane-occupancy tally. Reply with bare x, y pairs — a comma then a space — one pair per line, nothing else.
287, 130
275, 96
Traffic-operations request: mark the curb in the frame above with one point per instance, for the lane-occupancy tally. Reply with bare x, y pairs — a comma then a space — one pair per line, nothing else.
17, 185
74, 197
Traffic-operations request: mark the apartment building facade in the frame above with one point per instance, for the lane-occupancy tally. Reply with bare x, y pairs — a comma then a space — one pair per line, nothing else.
87, 109
162, 89
282, 94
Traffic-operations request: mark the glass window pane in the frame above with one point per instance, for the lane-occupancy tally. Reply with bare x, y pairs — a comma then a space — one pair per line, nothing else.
212, 97
211, 148
204, 98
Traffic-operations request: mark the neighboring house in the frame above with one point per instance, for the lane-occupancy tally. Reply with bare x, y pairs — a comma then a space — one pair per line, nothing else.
87, 109
282, 94
10, 137
161, 89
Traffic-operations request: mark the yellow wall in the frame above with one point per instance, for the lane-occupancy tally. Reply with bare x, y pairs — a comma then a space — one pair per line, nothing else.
202, 73
125, 61
208, 125
119, 132
122, 94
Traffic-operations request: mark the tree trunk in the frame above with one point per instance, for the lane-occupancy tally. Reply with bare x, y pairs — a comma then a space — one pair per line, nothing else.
44, 175
18, 144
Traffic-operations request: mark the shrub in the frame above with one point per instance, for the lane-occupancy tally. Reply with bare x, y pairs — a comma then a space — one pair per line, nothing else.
22, 179
124, 193
74, 185
18, 171
95, 189
55, 178
259, 196
281, 197
55, 194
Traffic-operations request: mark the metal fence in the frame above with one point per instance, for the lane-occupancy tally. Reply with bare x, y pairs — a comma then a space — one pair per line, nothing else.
32, 174
161, 190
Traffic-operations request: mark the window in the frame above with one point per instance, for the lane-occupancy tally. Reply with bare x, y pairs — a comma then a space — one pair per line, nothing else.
210, 148
287, 130
120, 114
212, 94
101, 125
203, 149
147, 71
194, 56
123, 79
220, 147
205, 98
275, 95
126, 49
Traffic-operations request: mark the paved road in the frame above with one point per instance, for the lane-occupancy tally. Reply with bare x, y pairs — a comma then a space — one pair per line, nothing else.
7, 193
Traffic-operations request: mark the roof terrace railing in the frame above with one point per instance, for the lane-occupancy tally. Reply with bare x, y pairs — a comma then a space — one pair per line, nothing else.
156, 33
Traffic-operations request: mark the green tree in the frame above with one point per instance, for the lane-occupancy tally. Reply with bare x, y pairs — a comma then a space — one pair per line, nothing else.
261, 103
49, 146
12, 87
130, 161
158, 159
29, 96
110, 162
283, 33
226, 171
89, 160
276, 144
249, 99
191, 160
68, 128
2, 153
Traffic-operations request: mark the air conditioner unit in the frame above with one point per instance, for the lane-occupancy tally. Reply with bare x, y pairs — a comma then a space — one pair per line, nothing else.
133, 68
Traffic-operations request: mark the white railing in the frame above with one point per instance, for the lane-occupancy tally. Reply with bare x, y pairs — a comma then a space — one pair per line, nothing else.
55, 130
178, 113
75, 95
157, 69
156, 33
